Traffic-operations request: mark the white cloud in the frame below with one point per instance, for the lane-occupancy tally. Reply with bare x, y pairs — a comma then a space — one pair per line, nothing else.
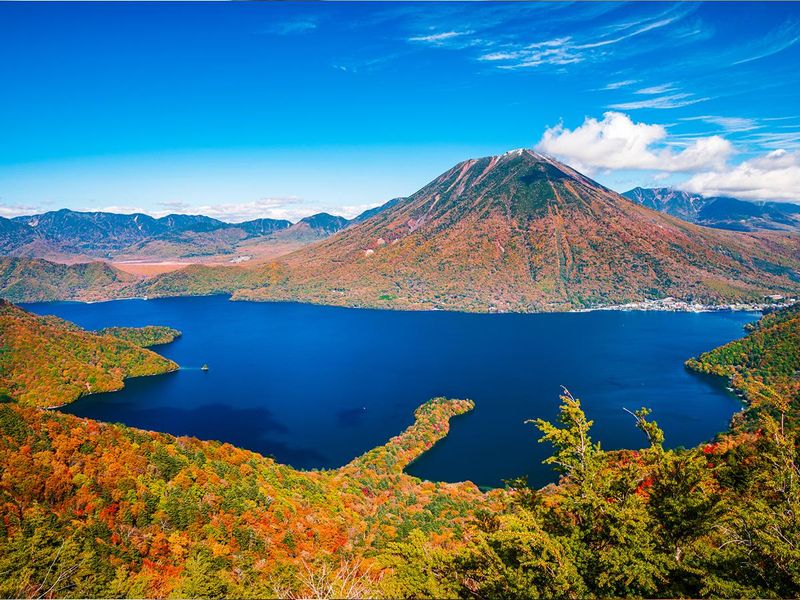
661, 102
777, 41
353, 210
658, 24
516, 49
776, 140
557, 51
657, 89
774, 176
730, 124
174, 206
493, 56
734, 123
554, 43
118, 209
435, 38
294, 27
291, 208
617, 142
17, 210
619, 84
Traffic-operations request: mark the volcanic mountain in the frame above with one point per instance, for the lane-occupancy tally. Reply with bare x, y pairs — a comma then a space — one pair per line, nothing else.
523, 232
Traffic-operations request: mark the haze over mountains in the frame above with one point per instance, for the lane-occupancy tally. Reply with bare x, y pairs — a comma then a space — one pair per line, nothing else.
720, 212
519, 231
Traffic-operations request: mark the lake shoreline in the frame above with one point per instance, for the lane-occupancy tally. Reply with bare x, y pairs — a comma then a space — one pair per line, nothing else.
316, 387
119, 389
668, 304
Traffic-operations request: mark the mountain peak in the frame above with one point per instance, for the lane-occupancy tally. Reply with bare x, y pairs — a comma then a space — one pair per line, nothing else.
520, 183
523, 231
528, 156
325, 221
523, 152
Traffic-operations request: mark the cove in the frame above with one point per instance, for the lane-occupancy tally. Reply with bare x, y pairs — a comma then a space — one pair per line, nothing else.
315, 386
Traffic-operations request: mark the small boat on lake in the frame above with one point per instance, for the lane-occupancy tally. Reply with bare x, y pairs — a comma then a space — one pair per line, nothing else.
204, 368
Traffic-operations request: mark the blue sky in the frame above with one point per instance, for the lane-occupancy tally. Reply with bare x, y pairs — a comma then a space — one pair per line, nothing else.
258, 109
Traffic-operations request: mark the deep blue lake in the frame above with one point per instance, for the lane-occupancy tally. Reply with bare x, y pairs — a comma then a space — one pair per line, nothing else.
316, 386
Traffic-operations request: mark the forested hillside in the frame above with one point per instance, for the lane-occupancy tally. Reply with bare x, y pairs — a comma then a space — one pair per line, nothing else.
94, 509
36, 280
103, 235
764, 366
150, 335
45, 361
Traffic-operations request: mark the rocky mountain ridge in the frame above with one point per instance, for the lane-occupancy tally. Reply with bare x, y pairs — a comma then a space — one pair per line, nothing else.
720, 212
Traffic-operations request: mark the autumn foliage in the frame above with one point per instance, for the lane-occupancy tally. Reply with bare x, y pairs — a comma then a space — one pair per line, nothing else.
89, 509
46, 361
144, 337
134, 513
764, 366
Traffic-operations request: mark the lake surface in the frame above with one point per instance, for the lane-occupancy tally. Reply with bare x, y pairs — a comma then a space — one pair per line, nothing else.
316, 386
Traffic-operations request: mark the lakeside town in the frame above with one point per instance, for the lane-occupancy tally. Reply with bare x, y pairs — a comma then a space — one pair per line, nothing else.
670, 304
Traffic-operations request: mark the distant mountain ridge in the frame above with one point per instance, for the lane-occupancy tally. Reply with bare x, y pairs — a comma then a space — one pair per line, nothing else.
673, 202
102, 234
315, 227
719, 211
106, 235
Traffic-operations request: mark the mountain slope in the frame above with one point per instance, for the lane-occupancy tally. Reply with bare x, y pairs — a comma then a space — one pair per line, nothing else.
14, 235
196, 223
720, 212
69, 236
524, 232
34, 280
371, 212
518, 232
764, 363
